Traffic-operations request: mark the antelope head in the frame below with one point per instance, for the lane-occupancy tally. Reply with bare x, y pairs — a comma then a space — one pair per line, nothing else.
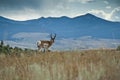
52, 37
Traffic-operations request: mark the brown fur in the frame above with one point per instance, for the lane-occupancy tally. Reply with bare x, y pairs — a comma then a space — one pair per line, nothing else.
45, 44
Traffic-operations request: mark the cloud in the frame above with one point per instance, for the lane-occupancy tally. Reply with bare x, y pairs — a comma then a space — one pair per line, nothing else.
106, 2
117, 17
19, 4
32, 9
105, 15
20, 9
33, 36
25, 14
29, 35
101, 13
82, 1
115, 2
47, 8
108, 7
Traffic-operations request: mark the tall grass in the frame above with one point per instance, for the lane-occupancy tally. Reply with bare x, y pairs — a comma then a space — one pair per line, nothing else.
69, 65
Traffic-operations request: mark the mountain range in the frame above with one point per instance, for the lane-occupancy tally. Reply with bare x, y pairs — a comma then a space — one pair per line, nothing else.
85, 25
64, 27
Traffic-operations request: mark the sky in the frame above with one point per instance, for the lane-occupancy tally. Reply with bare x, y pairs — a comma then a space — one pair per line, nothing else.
33, 9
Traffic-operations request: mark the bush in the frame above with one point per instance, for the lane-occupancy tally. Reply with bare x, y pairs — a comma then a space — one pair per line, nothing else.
6, 49
118, 48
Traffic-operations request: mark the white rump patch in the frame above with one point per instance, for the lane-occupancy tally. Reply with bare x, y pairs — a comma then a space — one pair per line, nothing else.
39, 42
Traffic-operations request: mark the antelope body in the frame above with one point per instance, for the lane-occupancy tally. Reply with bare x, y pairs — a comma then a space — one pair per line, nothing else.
45, 44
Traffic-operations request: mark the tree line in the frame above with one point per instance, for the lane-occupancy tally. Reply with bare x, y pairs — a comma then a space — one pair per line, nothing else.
8, 50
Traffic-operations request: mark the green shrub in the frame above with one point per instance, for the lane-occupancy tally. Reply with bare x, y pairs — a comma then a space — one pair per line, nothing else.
118, 48
6, 49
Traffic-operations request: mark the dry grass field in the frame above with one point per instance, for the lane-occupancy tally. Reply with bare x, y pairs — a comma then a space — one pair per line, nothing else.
66, 65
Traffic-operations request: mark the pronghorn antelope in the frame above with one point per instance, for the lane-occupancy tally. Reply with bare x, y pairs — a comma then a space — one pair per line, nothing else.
44, 44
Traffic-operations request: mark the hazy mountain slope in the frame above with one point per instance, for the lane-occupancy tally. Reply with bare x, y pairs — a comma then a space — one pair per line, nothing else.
86, 25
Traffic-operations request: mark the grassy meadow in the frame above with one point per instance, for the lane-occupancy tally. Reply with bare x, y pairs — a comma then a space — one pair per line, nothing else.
63, 65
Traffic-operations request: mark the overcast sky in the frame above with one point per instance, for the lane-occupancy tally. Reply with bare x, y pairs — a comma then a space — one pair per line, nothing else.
32, 9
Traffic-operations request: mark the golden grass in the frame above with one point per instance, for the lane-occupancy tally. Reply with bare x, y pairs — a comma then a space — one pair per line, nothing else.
69, 65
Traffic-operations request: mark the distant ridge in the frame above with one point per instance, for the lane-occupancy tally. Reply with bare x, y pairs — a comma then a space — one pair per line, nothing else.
84, 25
87, 15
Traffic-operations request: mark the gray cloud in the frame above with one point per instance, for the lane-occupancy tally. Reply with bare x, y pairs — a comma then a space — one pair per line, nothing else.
29, 9
81, 1
117, 2
38, 5
114, 2
19, 4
